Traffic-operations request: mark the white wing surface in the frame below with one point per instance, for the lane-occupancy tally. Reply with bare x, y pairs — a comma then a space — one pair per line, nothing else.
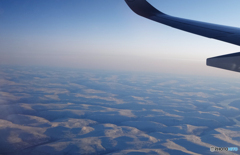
219, 32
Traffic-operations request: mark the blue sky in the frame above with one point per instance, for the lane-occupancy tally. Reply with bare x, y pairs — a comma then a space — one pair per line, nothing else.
106, 34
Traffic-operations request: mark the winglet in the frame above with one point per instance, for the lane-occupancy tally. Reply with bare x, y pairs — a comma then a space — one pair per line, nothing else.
142, 8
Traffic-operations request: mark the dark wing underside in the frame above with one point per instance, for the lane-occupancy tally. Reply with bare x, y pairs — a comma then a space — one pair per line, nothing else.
219, 32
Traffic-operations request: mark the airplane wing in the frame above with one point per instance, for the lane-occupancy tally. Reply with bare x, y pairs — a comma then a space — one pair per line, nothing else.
214, 31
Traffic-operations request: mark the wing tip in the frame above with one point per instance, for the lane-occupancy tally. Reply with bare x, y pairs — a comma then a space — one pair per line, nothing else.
143, 8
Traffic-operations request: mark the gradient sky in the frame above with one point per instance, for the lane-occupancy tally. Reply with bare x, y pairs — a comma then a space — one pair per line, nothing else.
106, 34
